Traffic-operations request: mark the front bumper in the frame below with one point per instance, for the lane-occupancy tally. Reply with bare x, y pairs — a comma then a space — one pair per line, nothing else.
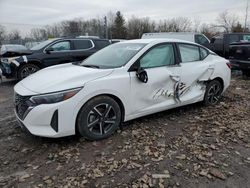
7, 70
39, 122
49, 120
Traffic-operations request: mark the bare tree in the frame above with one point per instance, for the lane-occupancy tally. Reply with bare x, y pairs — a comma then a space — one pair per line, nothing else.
208, 30
137, 26
71, 28
39, 34
14, 35
179, 24
238, 28
196, 24
2, 33
226, 21
54, 30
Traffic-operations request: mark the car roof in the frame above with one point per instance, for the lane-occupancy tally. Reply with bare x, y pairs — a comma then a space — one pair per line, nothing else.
80, 38
172, 33
157, 40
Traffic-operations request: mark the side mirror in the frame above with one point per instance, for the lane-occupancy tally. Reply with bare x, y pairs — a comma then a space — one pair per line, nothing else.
142, 75
48, 50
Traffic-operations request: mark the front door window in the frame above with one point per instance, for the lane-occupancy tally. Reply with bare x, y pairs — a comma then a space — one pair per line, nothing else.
61, 46
159, 56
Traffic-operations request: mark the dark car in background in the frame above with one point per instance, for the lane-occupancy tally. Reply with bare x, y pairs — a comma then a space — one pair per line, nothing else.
51, 52
240, 57
220, 43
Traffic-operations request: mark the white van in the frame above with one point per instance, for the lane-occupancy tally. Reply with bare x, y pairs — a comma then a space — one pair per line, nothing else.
188, 36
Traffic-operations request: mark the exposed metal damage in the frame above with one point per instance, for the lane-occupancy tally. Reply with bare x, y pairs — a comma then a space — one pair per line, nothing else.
181, 88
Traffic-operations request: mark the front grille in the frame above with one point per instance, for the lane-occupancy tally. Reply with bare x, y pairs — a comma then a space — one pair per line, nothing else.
21, 105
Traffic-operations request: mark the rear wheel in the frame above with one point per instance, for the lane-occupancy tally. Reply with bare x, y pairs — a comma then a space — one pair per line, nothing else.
27, 70
99, 118
213, 93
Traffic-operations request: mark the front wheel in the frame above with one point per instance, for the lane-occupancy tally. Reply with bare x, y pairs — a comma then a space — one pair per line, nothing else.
27, 70
99, 118
213, 93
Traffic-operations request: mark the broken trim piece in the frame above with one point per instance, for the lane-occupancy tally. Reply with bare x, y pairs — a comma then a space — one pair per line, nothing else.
25, 59
16, 63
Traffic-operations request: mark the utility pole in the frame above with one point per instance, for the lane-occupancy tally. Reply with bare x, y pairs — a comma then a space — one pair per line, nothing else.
246, 16
106, 27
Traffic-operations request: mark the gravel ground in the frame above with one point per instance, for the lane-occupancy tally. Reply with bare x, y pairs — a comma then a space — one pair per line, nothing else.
191, 146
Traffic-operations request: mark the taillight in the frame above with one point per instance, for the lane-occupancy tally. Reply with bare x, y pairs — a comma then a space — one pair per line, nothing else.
229, 65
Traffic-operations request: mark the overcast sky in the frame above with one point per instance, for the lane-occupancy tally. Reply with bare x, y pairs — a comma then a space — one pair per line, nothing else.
25, 14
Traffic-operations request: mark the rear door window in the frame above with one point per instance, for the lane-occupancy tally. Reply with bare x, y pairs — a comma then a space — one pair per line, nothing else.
203, 53
82, 44
101, 43
189, 53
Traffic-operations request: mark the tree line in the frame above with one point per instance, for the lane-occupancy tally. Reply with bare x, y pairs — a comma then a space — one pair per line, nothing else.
115, 26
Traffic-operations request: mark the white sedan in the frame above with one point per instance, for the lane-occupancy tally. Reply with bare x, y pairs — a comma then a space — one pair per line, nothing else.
124, 81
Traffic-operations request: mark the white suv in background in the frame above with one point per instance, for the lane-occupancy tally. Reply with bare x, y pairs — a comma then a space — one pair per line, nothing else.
121, 82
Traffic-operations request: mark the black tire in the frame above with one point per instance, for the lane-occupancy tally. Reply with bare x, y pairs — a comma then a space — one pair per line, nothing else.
213, 93
26, 70
99, 118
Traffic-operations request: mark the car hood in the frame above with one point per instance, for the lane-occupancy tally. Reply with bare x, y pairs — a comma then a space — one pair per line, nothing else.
14, 53
61, 77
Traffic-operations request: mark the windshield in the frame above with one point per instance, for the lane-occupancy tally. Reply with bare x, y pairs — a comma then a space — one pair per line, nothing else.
113, 56
42, 45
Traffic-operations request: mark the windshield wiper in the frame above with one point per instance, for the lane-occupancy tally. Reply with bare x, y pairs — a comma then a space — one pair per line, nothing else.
91, 66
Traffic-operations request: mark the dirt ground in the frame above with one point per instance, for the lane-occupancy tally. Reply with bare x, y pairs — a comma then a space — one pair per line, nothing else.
191, 146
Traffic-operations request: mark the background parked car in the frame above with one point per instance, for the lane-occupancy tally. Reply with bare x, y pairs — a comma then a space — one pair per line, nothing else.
220, 44
240, 57
53, 52
8, 53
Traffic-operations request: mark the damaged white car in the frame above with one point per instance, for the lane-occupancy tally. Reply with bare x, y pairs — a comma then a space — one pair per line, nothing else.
124, 81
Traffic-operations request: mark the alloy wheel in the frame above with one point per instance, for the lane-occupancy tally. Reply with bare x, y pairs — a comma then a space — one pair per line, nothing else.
214, 93
101, 119
28, 70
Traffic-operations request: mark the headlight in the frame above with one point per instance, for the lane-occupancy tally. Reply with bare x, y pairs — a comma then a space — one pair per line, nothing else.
54, 97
